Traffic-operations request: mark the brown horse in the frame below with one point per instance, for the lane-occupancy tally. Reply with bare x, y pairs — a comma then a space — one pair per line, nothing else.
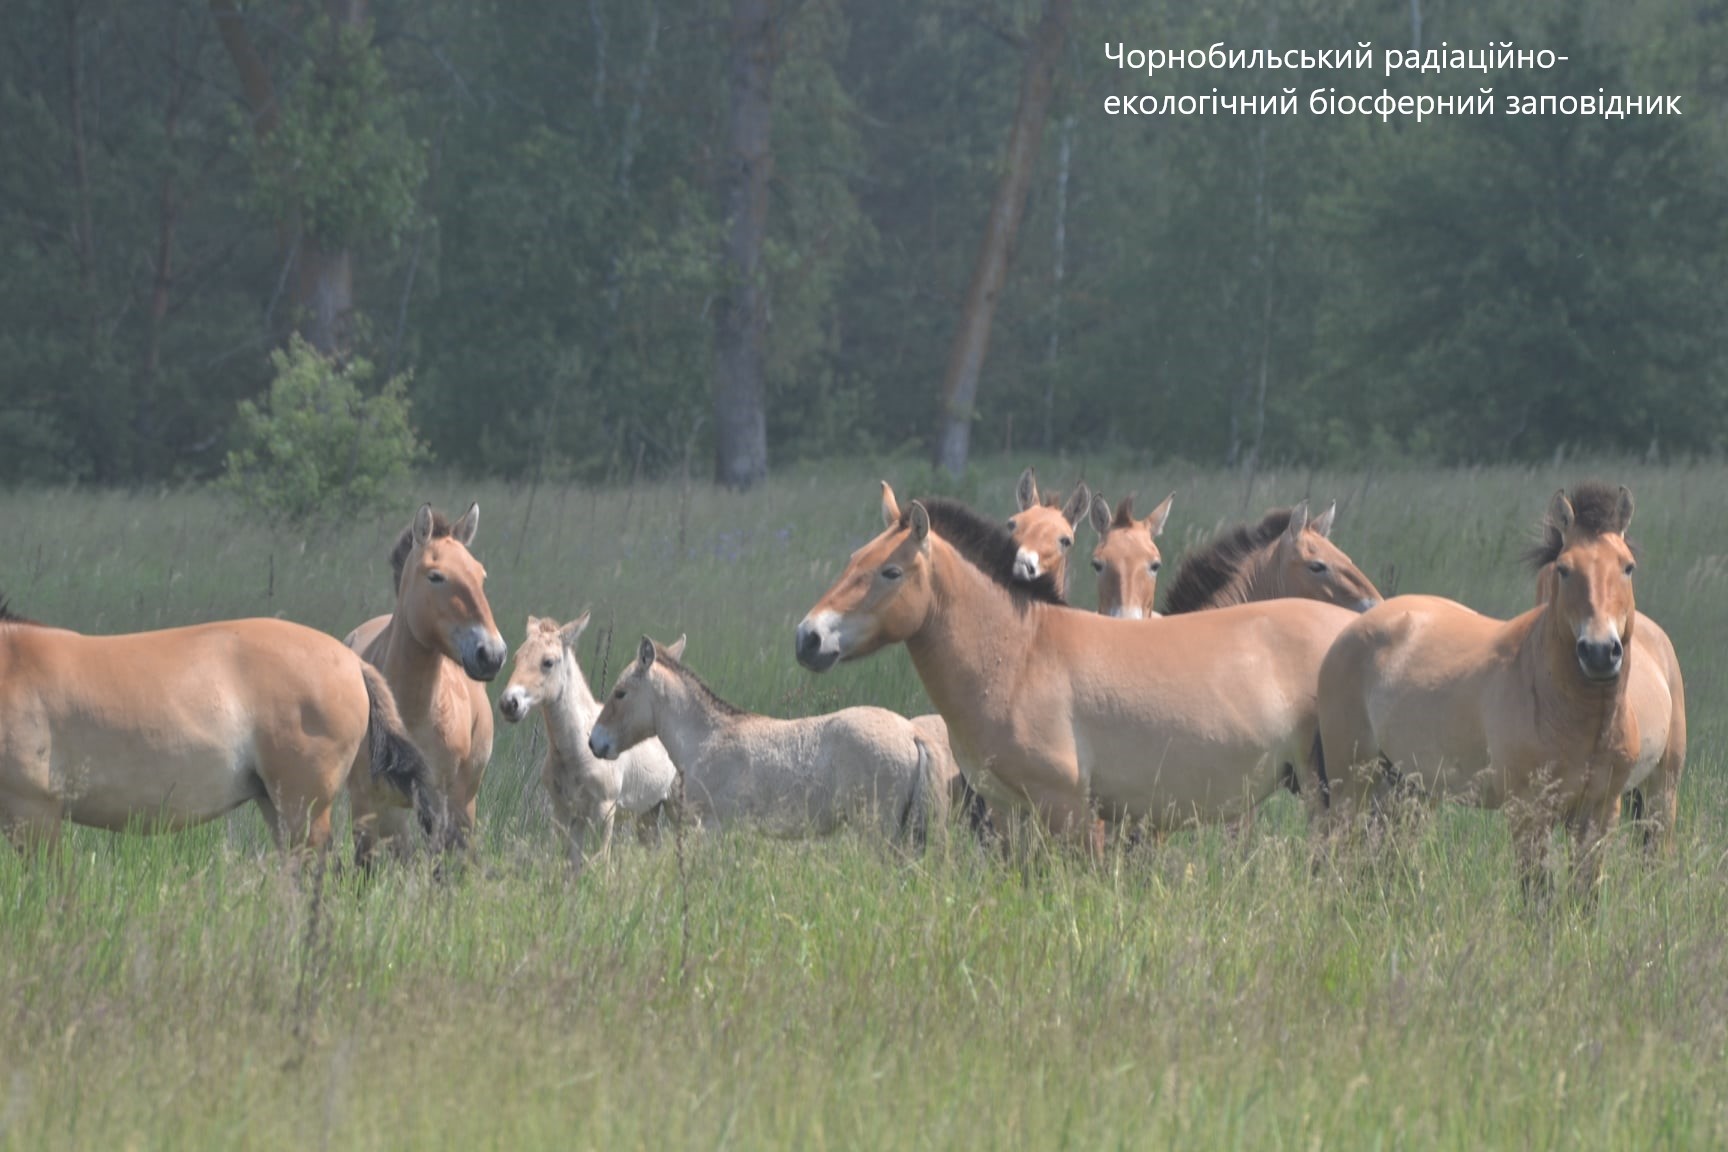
1169, 721
164, 730
1127, 559
1531, 715
1043, 530
433, 649
1286, 554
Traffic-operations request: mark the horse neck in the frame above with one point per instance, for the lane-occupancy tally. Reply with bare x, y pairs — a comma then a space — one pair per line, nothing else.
685, 718
1565, 700
572, 718
973, 635
413, 669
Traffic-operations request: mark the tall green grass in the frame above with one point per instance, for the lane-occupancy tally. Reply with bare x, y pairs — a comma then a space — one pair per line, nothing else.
1211, 991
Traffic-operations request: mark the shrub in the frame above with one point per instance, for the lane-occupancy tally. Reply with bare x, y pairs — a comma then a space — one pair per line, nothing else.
316, 444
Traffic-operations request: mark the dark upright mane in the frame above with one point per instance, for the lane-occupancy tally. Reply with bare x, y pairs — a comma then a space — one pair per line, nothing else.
405, 543
1595, 510
7, 616
1209, 571
688, 675
987, 544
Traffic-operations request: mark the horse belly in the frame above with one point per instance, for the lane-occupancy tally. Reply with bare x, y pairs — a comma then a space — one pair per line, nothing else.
111, 779
1179, 780
1654, 708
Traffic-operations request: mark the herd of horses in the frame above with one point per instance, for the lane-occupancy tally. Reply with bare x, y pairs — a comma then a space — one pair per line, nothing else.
1276, 664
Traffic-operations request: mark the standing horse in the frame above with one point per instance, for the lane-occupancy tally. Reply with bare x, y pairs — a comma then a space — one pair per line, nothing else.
1531, 715
586, 792
1127, 559
1286, 554
1169, 721
432, 650
785, 777
174, 728
1044, 531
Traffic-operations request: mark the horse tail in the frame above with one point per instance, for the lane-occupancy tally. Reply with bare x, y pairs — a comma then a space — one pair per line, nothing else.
394, 756
1317, 765
921, 799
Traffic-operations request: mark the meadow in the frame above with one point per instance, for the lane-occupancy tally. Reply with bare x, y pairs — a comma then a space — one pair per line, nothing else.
187, 991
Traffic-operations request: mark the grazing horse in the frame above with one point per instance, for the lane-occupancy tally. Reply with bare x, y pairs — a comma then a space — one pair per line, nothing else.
1127, 559
1531, 715
1286, 554
586, 792
1169, 721
1658, 695
432, 650
786, 777
1044, 531
170, 729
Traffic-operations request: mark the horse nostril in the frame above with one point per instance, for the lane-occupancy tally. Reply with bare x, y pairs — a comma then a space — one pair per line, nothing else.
1615, 649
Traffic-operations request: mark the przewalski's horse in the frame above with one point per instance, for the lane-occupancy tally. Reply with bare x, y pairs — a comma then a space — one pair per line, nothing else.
1127, 559
1286, 554
433, 649
1531, 715
1043, 530
1657, 694
164, 730
1181, 719
587, 793
784, 777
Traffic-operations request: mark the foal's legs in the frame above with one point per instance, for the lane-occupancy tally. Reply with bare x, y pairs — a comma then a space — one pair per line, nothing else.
32, 825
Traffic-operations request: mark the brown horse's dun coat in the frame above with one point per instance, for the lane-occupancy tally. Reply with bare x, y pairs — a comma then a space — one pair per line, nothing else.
1531, 715
1043, 531
432, 650
170, 729
1127, 559
1169, 720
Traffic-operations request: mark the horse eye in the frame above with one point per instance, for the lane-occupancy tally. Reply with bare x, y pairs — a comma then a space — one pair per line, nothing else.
892, 572
1155, 565
1631, 568
549, 662
435, 576
618, 694
1097, 565
1011, 525
1317, 566
1067, 542
1562, 571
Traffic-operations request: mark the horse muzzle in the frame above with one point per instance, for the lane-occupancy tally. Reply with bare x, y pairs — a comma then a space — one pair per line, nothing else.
1026, 565
818, 643
483, 654
600, 743
1601, 659
514, 704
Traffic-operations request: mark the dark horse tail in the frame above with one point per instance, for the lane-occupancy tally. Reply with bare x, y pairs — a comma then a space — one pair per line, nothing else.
394, 757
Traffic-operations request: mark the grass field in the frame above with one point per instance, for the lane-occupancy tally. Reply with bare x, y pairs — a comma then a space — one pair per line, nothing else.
185, 992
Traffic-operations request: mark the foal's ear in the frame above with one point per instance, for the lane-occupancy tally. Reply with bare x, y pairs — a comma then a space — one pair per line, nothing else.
645, 654
1323, 522
572, 631
1078, 501
463, 530
676, 648
1560, 512
1625, 509
1298, 520
1100, 515
422, 526
890, 507
1160, 515
533, 625
921, 526
1026, 492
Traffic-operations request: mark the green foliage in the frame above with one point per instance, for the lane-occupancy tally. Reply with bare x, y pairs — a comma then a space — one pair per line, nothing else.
317, 445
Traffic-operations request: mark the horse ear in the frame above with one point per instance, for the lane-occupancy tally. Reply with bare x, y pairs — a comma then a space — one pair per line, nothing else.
1124, 512
1078, 502
1625, 509
533, 625
463, 530
572, 631
422, 525
1100, 514
1560, 513
1160, 515
890, 507
1026, 492
921, 526
1298, 520
676, 648
645, 654
1323, 522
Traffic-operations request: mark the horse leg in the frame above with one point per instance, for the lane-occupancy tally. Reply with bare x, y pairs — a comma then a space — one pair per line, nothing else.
1532, 823
648, 825
32, 826
1660, 802
1590, 828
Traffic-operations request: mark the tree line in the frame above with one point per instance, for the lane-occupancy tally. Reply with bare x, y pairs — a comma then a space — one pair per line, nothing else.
622, 236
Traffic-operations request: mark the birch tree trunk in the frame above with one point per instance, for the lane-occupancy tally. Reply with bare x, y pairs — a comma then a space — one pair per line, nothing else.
990, 272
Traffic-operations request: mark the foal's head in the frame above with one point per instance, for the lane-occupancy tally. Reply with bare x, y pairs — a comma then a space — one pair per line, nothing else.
545, 666
441, 593
627, 718
1043, 530
1589, 593
1127, 559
